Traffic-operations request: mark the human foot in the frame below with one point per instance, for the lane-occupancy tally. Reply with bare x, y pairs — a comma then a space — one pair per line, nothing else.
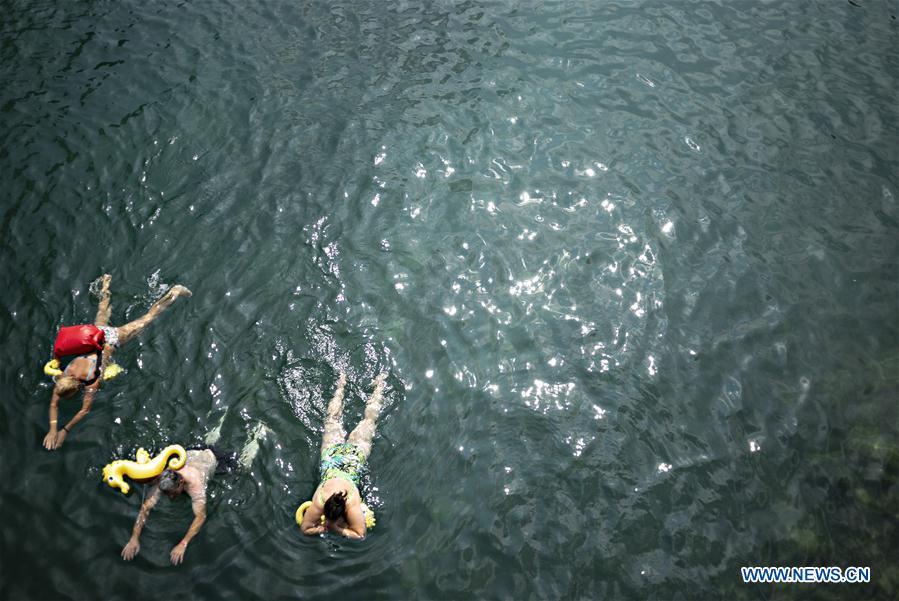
378, 382
179, 290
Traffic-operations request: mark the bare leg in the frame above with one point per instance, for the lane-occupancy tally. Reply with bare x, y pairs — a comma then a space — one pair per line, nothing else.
105, 307
364, 431
133, 328
334, 433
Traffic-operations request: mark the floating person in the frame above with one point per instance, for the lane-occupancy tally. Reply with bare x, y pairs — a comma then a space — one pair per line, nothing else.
193, 478
94, 345
337, 497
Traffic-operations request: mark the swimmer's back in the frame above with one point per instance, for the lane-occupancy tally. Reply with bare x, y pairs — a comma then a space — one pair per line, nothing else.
203, 462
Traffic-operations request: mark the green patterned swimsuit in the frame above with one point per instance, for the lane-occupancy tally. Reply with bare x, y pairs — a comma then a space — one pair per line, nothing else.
344, 460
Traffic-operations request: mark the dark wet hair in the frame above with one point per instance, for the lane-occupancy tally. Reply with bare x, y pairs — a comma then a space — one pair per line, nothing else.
169, 481
335, 506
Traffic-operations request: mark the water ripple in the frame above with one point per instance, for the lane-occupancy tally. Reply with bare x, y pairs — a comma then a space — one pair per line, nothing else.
631, 269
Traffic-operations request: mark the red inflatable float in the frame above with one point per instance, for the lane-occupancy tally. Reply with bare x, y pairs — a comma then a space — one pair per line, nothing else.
78, 340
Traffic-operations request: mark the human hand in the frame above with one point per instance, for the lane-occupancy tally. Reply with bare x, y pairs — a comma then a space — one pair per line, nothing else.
131, 550
177, 554
50, 440
60, 437
105, 282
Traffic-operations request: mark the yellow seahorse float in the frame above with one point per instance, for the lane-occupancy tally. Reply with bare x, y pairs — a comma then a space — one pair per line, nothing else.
173, 457
368, 513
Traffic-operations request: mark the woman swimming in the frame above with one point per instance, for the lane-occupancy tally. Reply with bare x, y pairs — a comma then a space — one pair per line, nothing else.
86, 370
337, 497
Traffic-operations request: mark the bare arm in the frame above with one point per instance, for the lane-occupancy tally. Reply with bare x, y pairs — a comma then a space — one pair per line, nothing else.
355, 522
312, 521
89, 393
199, 507
148, 504
50, 438
133, 546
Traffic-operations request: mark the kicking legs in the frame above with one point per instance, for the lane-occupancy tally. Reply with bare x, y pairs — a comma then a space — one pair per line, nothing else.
105, 307
364, 432
133, 328
334, 433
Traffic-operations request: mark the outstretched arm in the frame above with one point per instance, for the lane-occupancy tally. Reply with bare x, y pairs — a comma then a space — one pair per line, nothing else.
199, 507
133, 546
89, 393
50, 438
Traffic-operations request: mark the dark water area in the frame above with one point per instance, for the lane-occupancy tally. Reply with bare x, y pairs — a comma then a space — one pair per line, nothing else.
632, 268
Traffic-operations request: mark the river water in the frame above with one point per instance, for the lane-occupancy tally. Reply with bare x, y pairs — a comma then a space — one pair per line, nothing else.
631, 268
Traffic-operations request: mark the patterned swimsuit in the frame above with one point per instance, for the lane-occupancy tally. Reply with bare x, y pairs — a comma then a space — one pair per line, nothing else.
344, 460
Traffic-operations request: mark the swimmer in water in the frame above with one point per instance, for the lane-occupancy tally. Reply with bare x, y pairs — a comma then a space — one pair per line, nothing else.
87, 370
337, 497
193, 479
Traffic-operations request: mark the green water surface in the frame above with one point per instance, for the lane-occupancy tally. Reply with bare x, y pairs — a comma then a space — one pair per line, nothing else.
632, 269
